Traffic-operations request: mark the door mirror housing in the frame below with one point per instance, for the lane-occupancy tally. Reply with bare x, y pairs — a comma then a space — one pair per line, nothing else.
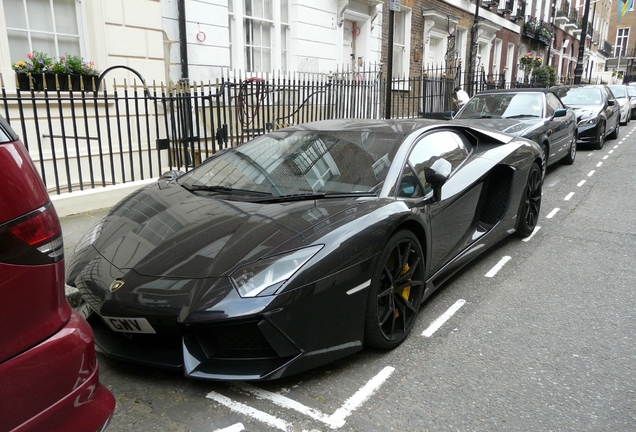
449, 115
170, 176
437, 171
559, 113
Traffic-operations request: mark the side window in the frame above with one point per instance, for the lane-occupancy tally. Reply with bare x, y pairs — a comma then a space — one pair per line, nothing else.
553, 103
443, 144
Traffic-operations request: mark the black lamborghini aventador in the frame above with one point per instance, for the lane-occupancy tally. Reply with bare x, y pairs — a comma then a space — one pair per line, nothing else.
301, 246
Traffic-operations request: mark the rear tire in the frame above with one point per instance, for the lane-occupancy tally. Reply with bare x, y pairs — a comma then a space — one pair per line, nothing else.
569, 158
614, 134
600, 136
397, 287
530, 203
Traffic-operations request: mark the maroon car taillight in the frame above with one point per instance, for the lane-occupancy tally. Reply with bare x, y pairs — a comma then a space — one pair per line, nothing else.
33, 239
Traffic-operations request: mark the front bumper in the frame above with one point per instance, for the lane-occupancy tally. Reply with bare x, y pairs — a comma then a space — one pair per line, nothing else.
588, 134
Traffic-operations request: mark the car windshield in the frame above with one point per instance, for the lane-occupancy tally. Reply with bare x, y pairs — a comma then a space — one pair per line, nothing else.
289, 163
619, 91
631, 91
503, 105
581, 96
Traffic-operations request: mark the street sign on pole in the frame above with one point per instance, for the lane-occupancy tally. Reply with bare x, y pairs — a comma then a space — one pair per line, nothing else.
395, 5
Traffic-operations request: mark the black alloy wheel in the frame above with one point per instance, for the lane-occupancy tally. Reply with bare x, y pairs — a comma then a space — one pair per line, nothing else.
397, 287
600, 136
530, 203
569, 158
614, 134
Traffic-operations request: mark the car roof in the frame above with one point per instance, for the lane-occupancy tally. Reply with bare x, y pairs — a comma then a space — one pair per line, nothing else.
391, 126
517, 90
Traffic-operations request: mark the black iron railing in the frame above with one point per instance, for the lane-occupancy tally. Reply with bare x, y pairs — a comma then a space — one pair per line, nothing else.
131, 131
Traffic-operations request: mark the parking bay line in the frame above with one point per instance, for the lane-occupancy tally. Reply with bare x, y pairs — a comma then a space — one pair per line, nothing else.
238, 427
552, 213
569, 196
443, 318
502, 262
248, 410
534, 231
334, 421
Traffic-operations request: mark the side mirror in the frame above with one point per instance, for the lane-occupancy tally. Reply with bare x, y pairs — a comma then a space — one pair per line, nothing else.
437, 171
611, 102
448, 115
559, 113
170, 176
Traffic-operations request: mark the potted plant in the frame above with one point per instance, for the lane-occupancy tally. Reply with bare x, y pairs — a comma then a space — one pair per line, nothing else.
68, 72
31, 73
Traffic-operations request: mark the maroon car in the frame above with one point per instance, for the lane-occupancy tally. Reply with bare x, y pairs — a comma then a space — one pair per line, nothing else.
48, 369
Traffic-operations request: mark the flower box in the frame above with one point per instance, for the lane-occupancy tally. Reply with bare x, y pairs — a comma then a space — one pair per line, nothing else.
90, 82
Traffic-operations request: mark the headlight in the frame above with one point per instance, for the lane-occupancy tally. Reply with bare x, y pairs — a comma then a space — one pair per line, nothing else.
590, 121
271, 273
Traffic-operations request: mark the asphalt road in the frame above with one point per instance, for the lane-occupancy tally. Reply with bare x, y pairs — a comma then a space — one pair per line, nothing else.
541, 339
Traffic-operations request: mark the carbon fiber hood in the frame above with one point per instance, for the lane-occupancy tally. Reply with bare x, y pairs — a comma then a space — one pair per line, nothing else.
172, 232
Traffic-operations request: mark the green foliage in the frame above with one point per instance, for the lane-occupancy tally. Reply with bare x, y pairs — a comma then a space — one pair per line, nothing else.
541, 77
39, 62
552, 75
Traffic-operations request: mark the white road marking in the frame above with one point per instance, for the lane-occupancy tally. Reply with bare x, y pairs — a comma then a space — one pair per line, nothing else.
534, 231
443, 318
288, 403
611, 151
605, 157
234, 428
552, 213
616, 146
334, 421
249, 411
569, 196
493, 271
590, 154
581, 183
362, 395
599, 164
591, 173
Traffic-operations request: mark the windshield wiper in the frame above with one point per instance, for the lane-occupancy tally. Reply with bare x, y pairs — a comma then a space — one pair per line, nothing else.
219, 188
313, 196
479, 116
521, 116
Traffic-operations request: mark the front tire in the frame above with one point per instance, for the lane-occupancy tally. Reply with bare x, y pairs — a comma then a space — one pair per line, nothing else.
530, 203
397, 287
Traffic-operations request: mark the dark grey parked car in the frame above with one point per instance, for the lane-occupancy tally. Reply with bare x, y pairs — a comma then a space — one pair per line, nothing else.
535, 114
597, 112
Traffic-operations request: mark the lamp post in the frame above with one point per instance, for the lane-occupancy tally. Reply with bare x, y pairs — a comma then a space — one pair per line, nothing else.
578, 71
549, 59
473, 31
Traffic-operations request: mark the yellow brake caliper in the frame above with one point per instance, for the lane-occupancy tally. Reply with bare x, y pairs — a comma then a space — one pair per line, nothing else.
406, 291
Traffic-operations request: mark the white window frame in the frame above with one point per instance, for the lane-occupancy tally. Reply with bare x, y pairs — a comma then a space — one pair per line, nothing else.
54, 34
621, 37
279, 53
404, 68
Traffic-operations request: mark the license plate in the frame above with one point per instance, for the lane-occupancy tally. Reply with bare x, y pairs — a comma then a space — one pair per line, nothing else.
128, 325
